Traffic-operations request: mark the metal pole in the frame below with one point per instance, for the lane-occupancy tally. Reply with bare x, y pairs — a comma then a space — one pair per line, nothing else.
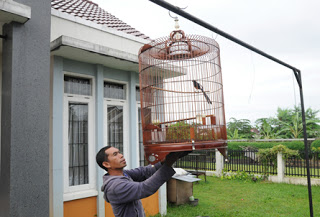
206, 25
305, 142
296, 72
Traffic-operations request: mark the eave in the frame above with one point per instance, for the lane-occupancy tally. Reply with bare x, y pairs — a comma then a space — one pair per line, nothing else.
88, 52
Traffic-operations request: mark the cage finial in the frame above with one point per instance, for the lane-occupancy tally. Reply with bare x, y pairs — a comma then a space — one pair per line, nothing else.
176, 25
176, 21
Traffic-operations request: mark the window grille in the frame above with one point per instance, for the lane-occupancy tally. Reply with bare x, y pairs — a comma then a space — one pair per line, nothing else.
78, 144
76, 85
115, 126
114, 91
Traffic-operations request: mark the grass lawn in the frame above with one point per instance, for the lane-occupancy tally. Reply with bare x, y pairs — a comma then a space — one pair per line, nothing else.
245, 198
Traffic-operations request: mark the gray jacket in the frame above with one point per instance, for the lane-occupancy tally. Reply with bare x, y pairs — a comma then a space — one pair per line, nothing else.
124, 192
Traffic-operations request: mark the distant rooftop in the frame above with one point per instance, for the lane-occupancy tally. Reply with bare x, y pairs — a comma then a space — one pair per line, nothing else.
91, 11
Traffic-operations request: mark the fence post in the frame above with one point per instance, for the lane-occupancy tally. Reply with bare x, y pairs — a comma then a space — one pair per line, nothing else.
280, 167
219, 163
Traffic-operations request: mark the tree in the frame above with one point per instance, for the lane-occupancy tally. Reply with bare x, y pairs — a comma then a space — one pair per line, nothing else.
268, 128
234, 134
293, 128
239, 128
291, 122
286, 124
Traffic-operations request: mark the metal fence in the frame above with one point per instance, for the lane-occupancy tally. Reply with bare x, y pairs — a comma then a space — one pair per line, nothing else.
247, 160
199, 160
297, 166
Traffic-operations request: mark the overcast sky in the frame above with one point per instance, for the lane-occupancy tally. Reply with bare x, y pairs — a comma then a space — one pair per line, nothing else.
254, 87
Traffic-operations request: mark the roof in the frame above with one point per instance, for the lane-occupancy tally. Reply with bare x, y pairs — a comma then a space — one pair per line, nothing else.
91, 11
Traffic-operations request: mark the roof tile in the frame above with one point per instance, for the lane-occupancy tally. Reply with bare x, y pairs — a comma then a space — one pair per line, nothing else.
89, 10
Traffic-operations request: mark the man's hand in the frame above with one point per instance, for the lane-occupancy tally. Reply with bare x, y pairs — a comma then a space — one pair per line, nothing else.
172, 157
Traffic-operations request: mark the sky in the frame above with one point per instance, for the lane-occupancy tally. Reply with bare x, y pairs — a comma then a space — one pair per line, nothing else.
254, 87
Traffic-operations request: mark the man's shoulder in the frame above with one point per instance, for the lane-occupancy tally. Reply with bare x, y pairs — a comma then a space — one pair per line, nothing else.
108, 179
114, 182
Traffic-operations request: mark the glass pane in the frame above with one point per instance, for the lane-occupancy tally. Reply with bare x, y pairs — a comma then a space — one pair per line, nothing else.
80, 86
78, 144
114, 91
138, 94
115, 126
141, 147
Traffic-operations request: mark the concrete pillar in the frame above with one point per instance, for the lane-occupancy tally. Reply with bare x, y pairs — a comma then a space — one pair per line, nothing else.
163, 199
0, 103
25, 115
281, 167
99, 136
133, 123
56, 144
219, 163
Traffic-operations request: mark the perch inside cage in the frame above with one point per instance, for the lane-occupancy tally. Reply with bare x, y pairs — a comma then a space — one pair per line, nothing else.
181, 94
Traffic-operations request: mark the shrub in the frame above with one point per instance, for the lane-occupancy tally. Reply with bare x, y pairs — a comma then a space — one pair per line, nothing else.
270, 155
294, 145
316, 144
179, 131
242, 175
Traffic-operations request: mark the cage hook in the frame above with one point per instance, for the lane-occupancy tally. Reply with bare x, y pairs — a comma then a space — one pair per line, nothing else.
176, 19
178, 8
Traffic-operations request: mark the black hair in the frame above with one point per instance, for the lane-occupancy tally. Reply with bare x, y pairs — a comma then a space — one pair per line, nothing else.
102, 157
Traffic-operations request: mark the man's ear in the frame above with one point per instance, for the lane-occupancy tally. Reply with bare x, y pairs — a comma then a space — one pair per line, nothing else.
106, 164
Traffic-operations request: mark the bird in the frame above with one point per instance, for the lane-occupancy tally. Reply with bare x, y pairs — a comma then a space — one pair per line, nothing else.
199, 87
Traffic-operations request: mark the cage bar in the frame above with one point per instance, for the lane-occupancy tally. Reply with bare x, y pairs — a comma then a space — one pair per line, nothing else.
181, 93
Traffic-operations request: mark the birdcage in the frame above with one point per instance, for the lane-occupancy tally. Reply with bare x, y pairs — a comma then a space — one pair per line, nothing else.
181, 93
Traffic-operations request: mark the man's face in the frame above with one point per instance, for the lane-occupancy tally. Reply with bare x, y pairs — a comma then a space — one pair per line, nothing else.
115, 159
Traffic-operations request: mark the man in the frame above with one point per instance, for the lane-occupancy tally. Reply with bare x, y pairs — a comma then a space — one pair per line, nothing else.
123, 189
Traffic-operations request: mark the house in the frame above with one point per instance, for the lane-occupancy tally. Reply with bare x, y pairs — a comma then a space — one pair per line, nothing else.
88, 97
25, 107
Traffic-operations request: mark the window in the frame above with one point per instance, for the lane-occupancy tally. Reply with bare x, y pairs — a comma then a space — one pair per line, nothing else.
116, 116
114, 90
138, 94
79, 147
140, 140
115, 126
78, 143
79, 86
142, 161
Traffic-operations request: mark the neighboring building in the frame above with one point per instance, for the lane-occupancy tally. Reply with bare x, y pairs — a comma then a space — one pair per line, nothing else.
94, 101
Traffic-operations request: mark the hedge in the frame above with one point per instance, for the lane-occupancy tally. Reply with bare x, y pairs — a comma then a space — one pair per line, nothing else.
316, 143
294, 145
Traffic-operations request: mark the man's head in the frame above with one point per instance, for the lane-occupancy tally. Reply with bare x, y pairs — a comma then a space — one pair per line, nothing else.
110, 158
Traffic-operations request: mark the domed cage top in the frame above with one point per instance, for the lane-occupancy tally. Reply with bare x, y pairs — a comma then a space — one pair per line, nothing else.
182, 107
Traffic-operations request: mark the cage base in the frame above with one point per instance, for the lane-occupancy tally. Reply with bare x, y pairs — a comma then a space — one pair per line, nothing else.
157, 152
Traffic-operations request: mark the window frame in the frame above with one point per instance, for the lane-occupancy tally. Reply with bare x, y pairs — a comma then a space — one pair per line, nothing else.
83, 190
138, 105
124, 104
125, 84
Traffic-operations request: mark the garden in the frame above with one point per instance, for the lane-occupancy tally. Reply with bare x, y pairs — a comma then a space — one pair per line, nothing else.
242, 196
252, 150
